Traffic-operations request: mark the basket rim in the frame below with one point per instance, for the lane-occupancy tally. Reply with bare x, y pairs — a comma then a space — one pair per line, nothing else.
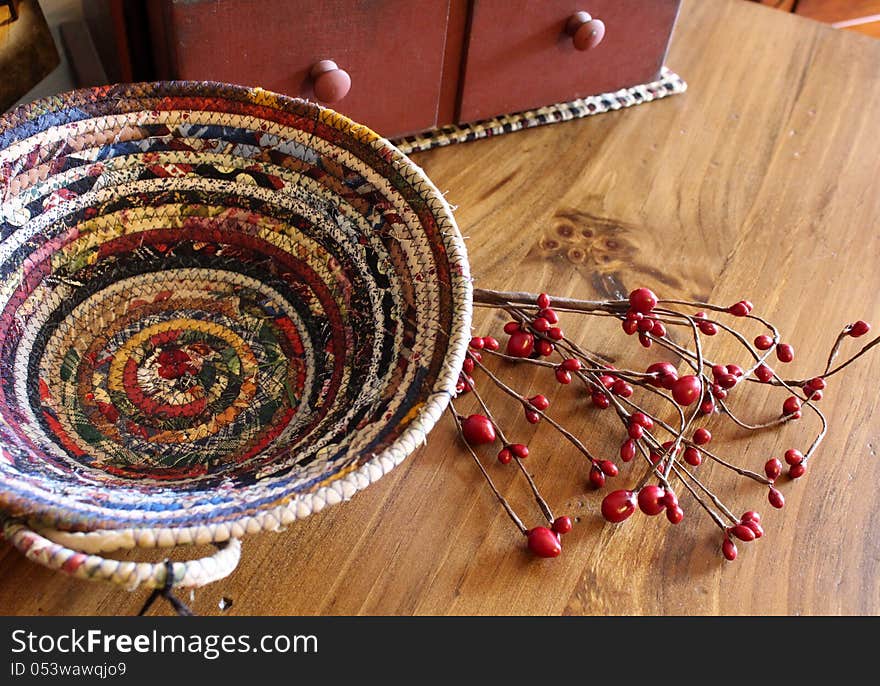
102, 532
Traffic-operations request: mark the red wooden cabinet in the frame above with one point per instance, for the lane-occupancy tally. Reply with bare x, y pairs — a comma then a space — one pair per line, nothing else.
412, 64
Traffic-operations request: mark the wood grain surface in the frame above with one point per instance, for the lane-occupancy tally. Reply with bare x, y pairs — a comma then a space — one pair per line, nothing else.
762, 182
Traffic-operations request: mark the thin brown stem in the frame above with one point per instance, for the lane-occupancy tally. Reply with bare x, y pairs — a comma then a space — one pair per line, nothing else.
501, 499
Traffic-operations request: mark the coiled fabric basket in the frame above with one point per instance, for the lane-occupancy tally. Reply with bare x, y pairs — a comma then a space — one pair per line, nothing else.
221, 309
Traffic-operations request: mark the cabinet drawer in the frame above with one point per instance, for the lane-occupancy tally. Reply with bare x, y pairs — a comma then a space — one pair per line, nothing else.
392, 50
520, 55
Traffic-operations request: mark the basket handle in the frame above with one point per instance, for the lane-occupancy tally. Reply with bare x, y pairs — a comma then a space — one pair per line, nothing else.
130, 575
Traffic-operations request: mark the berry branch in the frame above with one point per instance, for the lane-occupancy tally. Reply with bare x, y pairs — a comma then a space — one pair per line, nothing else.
668, 440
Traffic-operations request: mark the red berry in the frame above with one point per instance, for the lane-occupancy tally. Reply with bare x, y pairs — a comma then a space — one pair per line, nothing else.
702, 436
726, 381
646, 325
793, 456
740, 309
556, 333
751, 516
735, 369
645, 341
796, 471
659, 329
541, 325
543, 301
468, 365
674, 514
728, 549
607, 380
563, 376
618, 506
622, 388
543, 542
627, 450
600, 400
764, 373
664, 373
755, 527
776, 498
773, 468
718, 392
859, 328
476, 343
512, 327
635, 316
670, 499
504, 456
707, 328
597, 478
545, 348
562, 525
520, 344
692, 456
630, 326
571, 364
791, 405
608, 467
651, 500
707, 406
478, 430
816, 384
539, 401
635, 431
550, 315
816, 396
784, 352
642, 300
686, 390
743, 533
642, 419
763, 342
532, 417
519, 450
490, 343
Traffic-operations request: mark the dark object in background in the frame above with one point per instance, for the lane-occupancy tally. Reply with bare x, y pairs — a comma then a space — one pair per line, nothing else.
27, 50
400, 66
12, 9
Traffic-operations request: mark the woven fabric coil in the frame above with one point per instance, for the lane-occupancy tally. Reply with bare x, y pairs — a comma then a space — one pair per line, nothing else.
221, 309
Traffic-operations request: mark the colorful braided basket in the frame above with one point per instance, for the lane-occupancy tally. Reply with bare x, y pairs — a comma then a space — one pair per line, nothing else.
221, 309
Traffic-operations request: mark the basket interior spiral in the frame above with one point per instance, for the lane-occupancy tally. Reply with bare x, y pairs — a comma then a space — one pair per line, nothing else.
216, 304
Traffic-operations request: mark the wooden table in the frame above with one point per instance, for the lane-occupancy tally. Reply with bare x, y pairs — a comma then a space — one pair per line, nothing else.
762, 182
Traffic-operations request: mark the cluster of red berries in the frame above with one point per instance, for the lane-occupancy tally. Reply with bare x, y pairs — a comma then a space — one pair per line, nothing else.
796, 467
465, 380
651, 499
537, 335
748, 529
547, 542
478, 429
642, 302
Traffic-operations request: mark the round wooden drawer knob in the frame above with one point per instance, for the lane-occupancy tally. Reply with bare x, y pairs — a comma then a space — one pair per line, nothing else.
586, 32
330, 83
